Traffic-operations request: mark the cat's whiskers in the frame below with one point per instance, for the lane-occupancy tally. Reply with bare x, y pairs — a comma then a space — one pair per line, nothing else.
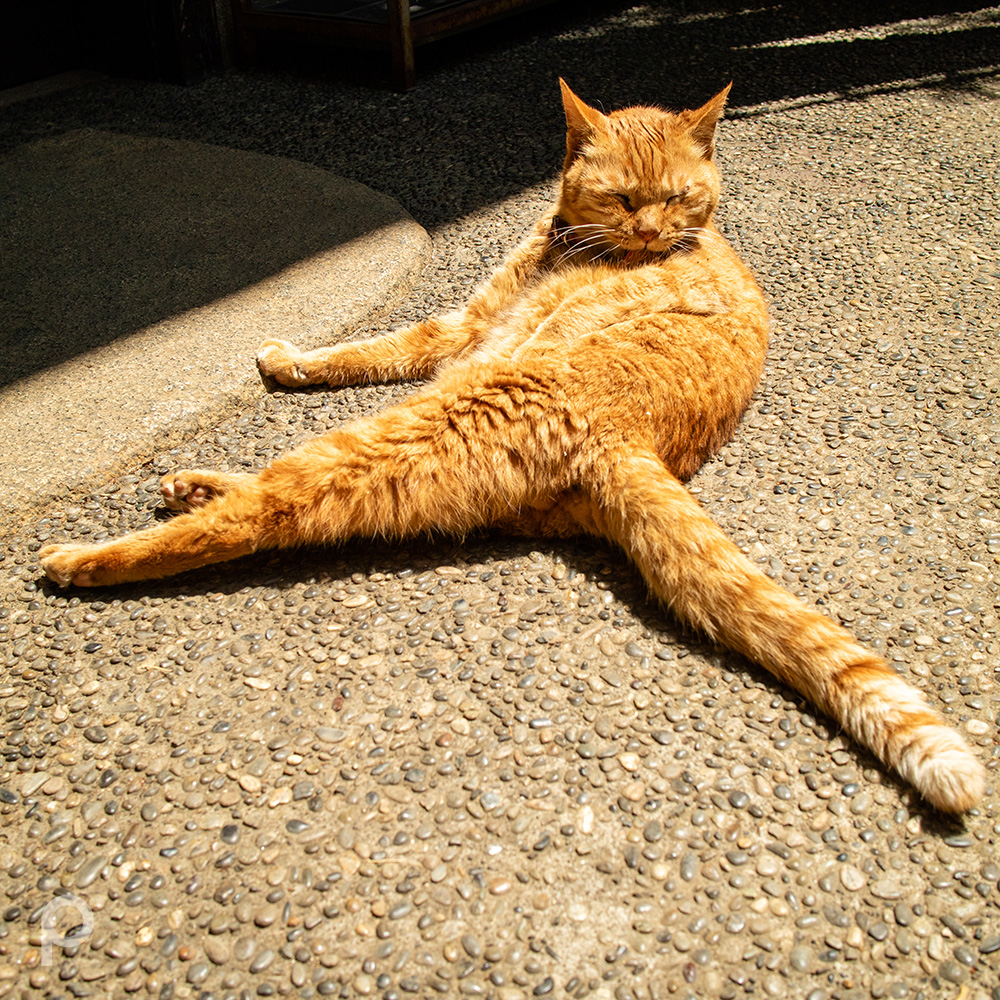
700, 232
564, 234
589, 241
569, 253
604, 253
585, 245
686, 241
585, 225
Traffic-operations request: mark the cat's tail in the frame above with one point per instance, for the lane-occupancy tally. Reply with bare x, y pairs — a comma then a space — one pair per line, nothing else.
707, 582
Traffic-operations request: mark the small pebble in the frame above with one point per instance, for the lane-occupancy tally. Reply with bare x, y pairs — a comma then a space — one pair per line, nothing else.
801, 958
952, 972
328, 734
198, 972
852, 879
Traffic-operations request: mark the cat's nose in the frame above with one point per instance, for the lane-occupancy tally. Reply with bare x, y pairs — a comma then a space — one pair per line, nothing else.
646, 233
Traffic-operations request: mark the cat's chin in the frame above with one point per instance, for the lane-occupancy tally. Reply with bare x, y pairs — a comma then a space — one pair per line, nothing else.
660, 245
653, 247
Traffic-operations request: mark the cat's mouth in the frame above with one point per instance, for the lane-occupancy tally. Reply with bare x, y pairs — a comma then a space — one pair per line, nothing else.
594, 240
633, 248
663, 243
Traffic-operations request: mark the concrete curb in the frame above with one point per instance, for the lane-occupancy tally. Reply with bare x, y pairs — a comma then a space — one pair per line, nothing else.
142, 276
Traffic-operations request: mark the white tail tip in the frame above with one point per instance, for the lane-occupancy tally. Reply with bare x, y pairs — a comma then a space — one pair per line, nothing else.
940, 765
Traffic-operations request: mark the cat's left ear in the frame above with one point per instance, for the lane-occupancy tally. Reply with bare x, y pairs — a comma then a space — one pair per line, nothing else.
701, 122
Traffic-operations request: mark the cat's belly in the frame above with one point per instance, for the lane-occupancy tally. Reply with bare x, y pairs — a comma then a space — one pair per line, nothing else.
565, 515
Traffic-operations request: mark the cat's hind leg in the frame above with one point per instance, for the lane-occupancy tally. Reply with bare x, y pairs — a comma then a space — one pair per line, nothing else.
707, 582
221, 519
231, 523
454, 458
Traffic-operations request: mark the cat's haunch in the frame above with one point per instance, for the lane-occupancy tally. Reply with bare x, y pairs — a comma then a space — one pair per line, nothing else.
587, 379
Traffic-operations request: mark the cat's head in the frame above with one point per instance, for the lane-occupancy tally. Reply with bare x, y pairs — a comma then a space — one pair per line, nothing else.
639, 177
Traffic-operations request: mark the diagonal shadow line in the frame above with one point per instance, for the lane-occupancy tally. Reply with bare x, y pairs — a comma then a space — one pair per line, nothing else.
104, 235
485, 115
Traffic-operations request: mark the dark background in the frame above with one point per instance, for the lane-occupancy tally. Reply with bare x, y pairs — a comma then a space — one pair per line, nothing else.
183, 41
178, 41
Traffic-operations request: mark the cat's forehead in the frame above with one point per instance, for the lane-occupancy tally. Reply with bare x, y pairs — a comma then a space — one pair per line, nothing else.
641, 125
643, 131
642, 149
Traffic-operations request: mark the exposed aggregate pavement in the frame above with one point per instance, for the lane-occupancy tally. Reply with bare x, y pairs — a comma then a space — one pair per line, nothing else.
492, 768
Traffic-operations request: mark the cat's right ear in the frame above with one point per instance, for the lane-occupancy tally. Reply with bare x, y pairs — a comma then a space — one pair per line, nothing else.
581, 120
701, 123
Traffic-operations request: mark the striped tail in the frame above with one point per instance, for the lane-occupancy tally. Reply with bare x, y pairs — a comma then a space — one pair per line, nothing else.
706, 582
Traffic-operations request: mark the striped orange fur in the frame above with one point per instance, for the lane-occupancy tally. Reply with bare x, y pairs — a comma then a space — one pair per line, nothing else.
593, 373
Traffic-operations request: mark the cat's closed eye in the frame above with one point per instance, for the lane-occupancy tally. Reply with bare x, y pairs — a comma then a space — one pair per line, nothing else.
624, 199
675, 199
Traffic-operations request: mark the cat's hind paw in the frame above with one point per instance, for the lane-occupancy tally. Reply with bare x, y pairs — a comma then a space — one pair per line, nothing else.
182, 491
282, 361
186, 490
67, 564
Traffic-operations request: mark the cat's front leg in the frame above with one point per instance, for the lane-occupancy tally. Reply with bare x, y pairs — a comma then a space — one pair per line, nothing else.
416, 351
285, 363
412, 352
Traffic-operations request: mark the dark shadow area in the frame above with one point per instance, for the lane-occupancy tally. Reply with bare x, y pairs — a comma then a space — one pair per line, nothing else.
677, 55
103, 235
148, 39
671, 53
485, 121
776, 52
90, 256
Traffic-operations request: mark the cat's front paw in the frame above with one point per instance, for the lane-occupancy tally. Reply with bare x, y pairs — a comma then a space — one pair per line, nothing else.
68, 564
282, 361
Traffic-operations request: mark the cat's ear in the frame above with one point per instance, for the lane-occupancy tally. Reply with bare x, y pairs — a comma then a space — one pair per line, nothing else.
581, 120
702, 121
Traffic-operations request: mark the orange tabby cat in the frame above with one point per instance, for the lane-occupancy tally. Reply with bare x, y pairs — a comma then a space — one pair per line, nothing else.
595, 371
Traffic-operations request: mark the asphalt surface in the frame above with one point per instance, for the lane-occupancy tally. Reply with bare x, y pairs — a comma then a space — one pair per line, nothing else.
492, 768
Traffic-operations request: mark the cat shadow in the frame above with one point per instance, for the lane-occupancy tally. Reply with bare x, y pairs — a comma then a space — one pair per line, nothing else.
330, 567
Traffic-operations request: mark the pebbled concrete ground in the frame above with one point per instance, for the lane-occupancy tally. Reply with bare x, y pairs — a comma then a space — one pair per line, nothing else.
493, 768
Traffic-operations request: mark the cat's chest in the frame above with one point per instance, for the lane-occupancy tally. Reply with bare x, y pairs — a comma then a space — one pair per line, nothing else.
518, 326
558, 310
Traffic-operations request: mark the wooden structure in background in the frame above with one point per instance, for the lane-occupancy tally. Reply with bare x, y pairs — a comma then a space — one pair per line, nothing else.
394, 26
